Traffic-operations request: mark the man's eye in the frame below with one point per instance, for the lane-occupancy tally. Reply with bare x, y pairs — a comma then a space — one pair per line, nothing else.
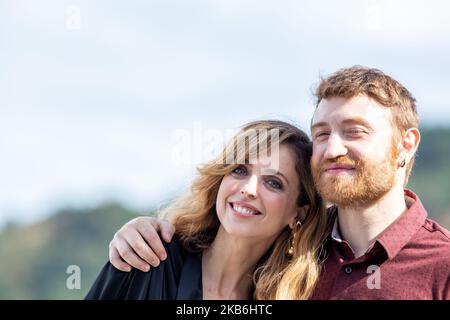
275, 184
355, 132
240, 171
321, 134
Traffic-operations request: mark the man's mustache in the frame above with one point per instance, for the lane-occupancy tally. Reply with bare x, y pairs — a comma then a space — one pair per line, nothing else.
341, 160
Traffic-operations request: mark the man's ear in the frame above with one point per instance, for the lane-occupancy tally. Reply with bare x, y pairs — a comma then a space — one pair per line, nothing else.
409, 144
302, 212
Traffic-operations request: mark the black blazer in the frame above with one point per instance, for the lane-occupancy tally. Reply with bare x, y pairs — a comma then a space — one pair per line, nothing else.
179, 277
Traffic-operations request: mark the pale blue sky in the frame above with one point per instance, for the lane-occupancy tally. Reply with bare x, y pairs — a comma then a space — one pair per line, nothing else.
89, 102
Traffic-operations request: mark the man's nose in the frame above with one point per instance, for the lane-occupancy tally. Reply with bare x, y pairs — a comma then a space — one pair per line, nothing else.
250, 189
335, 147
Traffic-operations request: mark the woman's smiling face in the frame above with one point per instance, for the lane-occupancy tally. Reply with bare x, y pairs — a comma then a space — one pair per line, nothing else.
252, 204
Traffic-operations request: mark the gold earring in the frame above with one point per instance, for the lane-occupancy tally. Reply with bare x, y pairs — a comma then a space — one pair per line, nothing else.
290, 251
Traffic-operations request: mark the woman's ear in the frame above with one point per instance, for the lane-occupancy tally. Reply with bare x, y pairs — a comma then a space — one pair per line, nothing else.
302, 212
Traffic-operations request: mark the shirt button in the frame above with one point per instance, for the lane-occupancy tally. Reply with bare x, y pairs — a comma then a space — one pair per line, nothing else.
348, 270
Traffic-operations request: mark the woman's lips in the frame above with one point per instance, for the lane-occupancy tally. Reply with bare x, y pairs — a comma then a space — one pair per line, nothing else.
243, 210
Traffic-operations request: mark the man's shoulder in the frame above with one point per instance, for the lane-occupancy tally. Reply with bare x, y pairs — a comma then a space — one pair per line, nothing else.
437, 232
438, 238
432, 244
435, 241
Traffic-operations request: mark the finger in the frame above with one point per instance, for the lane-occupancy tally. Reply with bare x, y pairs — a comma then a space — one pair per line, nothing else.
140, 247
167, 230
116, 261
130, 257
151, 236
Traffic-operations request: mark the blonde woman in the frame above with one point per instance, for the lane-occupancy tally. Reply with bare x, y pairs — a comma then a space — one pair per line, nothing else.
246, 230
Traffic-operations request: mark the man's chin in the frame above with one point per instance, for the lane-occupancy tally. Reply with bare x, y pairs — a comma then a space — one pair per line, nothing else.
339, 182
339, 193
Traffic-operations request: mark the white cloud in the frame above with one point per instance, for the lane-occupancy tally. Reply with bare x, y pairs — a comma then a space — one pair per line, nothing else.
87, 114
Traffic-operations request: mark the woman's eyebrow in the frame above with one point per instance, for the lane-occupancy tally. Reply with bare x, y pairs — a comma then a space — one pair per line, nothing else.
280, 174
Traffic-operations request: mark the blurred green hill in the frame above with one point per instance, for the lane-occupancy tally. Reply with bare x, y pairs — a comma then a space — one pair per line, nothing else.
34, 259
430, 178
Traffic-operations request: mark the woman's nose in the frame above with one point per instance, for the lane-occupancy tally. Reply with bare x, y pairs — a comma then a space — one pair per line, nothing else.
250, 189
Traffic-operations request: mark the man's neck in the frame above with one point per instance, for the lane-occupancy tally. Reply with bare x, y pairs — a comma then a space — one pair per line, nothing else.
360, 226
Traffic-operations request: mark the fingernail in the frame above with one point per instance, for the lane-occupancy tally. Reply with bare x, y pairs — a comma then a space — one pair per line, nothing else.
147, 268
163, 256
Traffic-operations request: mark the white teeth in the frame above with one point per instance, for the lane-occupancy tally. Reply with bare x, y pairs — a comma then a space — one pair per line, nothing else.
243, 210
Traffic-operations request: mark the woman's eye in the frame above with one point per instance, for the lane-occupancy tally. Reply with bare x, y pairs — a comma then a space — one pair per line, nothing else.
240, 171
274, 184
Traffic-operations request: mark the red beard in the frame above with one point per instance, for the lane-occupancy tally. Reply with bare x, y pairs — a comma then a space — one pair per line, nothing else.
369, 181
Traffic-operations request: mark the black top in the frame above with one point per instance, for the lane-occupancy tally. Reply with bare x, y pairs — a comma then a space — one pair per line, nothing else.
179, 277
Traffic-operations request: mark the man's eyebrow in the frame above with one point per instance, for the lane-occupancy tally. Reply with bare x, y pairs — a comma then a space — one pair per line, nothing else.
358, 120
318, 125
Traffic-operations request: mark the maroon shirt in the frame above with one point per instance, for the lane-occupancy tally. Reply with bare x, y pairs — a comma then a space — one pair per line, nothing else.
409, 260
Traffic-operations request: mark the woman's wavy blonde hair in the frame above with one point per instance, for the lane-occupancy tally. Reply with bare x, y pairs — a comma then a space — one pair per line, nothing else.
278, 276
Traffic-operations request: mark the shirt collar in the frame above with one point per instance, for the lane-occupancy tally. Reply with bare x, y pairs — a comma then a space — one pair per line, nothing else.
398, 234
335, 234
